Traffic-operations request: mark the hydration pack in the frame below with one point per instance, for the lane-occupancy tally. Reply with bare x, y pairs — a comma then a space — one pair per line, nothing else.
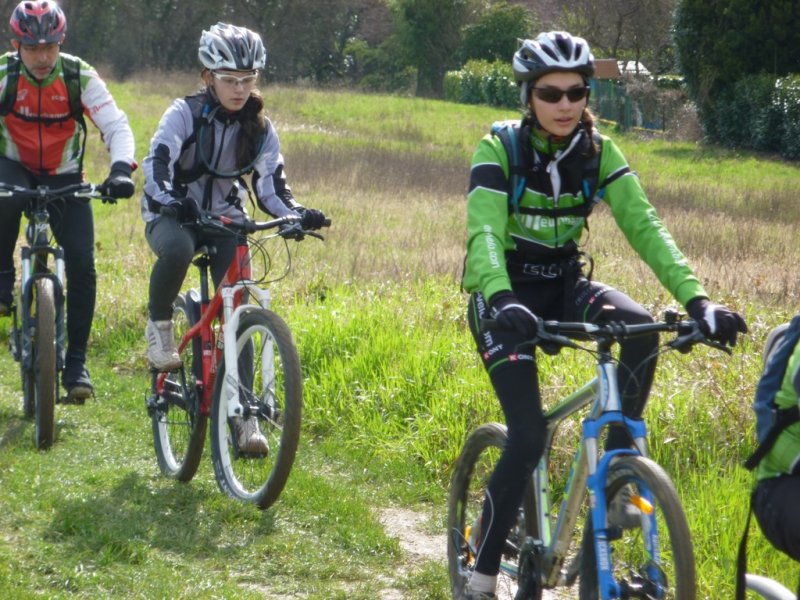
516, 144
71, 70
771, 420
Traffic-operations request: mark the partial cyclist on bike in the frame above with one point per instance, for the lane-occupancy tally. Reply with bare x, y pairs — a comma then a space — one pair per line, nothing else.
205, 145
524, 261
45, 96
777, 461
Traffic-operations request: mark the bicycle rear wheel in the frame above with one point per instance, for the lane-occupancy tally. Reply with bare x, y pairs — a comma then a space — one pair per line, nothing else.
179, 428
270, 389
468, 484
668, 572
44, 361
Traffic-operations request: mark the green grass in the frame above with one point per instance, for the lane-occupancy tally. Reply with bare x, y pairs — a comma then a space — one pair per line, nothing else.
392, 382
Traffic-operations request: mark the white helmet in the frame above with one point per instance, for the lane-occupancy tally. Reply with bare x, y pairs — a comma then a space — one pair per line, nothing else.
225, 46
548, 53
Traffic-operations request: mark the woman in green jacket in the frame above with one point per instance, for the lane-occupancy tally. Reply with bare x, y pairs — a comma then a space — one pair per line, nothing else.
524, 262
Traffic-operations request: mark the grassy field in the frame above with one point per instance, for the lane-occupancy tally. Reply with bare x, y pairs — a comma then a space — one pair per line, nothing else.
392, 381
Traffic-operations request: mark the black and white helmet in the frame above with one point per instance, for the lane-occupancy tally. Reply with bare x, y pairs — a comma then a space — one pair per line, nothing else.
551, 52
226, 46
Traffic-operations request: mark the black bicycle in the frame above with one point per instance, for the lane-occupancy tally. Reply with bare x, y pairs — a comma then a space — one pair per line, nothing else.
37, 337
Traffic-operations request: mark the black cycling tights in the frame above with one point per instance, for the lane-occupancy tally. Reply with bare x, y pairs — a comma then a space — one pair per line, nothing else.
515, 380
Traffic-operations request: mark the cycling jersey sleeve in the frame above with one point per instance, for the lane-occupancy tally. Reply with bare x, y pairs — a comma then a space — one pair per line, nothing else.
273, 194
165, 148
645, 232
487, 220
102, 110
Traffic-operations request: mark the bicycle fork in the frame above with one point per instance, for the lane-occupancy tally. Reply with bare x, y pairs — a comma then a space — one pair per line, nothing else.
231, 388
25, 320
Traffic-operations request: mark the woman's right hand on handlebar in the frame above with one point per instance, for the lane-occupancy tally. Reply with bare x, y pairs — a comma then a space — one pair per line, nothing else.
511, 315
186, 209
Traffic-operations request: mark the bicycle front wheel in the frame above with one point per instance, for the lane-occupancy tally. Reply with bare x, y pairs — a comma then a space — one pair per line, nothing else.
44, 361
468, 484
271, 394
179, 428
666, 571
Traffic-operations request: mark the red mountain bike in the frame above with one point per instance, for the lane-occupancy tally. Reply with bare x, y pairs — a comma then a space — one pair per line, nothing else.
239, 361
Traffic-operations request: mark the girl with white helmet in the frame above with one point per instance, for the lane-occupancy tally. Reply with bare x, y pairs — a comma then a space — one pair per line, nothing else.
204, 145
524, 262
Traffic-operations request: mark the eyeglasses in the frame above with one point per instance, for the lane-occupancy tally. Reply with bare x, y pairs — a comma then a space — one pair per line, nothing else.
553, 95
246, 81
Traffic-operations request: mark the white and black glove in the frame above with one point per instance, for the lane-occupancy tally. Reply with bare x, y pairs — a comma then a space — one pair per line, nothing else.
511, 315
716, 321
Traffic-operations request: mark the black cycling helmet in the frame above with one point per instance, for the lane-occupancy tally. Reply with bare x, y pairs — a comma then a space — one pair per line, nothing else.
225, 46
36, 22
551, 52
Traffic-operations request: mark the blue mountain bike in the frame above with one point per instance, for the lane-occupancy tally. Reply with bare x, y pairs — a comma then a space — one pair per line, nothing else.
574, 545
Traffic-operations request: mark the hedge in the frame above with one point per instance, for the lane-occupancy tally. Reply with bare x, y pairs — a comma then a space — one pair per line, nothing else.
482, 82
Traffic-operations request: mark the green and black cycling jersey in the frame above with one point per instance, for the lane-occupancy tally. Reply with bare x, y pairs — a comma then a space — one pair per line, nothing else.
498, 235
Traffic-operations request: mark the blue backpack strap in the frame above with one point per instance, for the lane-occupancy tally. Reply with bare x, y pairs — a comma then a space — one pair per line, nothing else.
508, 132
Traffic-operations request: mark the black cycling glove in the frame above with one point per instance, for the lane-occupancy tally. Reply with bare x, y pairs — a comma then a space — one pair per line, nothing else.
185, 210
717, 322
311, 218
119, 184
511, 315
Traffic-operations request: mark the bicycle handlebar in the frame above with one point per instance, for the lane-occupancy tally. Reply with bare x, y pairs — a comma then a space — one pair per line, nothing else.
562, 333
289, 224
77, 190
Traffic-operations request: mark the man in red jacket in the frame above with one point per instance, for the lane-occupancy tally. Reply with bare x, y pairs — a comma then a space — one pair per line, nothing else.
44, 96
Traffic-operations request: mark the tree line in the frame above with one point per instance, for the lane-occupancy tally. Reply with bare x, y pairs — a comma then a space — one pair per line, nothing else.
407, 46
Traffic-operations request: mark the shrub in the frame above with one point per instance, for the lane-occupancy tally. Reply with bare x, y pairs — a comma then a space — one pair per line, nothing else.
482, 82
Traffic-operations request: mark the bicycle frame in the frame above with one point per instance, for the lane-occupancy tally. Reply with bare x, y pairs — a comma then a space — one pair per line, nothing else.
587, 474
225, 306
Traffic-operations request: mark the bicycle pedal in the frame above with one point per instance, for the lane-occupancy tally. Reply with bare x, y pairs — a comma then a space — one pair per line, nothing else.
153, 404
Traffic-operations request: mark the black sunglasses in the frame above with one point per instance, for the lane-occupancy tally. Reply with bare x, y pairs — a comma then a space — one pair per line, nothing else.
552, 95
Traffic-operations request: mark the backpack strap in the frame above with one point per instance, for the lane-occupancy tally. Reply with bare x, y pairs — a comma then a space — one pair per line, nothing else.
509, 133
515, 142
741, 556
71, 71
12, 80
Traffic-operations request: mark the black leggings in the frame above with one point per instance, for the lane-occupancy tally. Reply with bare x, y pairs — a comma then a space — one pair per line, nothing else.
515, 380
774, 504
72, 224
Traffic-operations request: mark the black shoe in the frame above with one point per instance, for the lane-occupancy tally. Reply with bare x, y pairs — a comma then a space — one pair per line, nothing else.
77, 383
6, 303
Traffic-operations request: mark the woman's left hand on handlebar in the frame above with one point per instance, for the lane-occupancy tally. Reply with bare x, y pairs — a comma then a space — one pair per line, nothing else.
311, 218
716, 321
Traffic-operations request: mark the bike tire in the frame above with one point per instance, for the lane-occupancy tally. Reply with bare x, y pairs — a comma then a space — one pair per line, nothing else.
44, 362
676, 568
468, 483
266, 350
179, 428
